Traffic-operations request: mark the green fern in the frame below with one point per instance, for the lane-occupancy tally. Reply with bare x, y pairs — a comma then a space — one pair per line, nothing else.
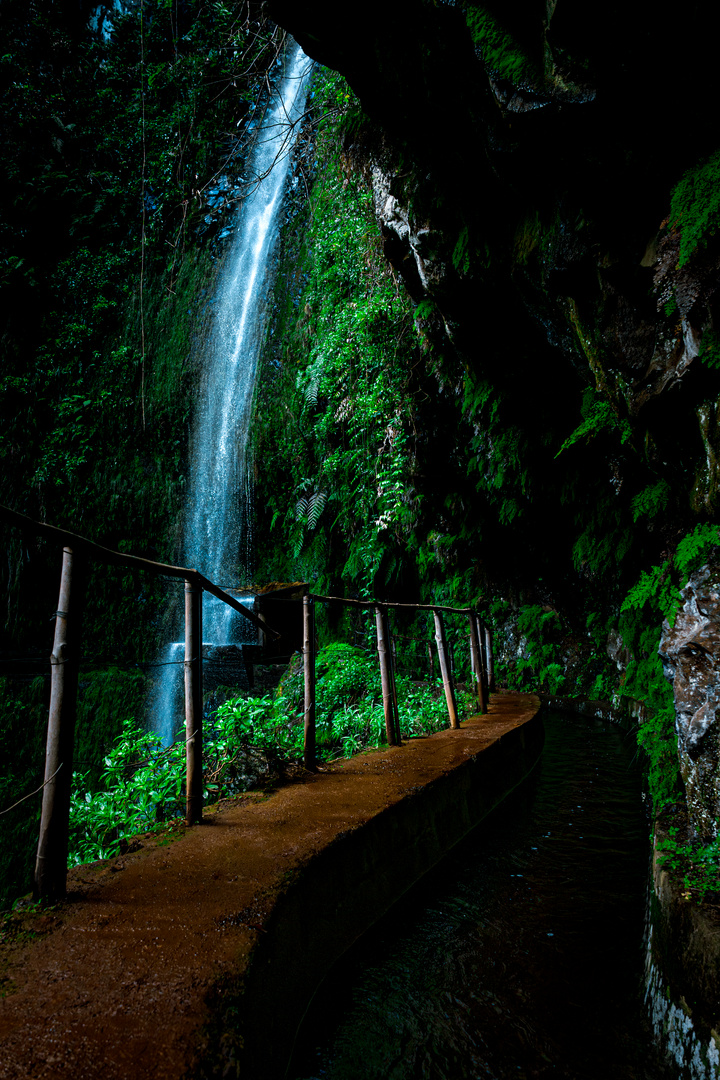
695, 206
601, 417
649, 589
695, 547
310, 391
461, 254
316, 502
424, 310
651, 501
710, 350
301, 508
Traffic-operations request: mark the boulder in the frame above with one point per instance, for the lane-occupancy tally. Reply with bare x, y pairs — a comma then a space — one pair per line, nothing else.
690, 653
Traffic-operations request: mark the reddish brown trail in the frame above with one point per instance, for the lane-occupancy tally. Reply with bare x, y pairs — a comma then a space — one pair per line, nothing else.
123, 979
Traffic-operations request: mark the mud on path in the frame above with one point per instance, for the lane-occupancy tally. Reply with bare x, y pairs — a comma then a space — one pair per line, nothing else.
116, 981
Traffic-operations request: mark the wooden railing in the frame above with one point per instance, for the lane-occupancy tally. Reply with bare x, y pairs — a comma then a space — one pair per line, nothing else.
481, 661
51, 863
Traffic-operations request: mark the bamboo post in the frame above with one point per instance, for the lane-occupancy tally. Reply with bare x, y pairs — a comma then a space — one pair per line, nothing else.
393, 669
193, 703
431, 660
51, 863
483, 657
309, 751
385, 675
445, 670
490, 660
476, 656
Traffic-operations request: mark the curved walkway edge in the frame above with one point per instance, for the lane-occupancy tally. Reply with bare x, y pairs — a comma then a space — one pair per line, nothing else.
199, 958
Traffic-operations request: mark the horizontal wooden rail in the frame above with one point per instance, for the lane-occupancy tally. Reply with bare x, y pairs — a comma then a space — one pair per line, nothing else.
51, 864
132, 562
372, 604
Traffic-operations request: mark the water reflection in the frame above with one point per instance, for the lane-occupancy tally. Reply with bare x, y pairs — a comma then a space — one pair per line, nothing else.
521, 956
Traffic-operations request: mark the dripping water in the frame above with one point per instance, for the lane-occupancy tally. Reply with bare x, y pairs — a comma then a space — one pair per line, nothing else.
217, 536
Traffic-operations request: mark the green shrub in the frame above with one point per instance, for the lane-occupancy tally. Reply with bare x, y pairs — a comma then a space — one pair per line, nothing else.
245, 743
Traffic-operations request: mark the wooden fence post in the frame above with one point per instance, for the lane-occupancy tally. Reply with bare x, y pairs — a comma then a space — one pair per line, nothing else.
193, 702
393, 667
490, 661
309, 751
483, 657
51, 863
475, 652
386, 675
445, 670
431, 659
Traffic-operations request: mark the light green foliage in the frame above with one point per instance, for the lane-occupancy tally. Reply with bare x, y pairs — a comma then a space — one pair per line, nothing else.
598, 415
695, 206
343, 476
699, 864
660, 586
694, 548
654, 586
140, 783
107, 699
143, 783
349, 709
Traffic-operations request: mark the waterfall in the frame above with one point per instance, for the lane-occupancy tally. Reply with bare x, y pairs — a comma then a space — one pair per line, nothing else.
218, 522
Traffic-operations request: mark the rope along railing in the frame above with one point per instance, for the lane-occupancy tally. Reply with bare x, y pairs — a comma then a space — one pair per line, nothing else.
51, 862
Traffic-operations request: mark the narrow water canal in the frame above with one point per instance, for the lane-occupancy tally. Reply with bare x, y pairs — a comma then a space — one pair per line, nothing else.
522, 954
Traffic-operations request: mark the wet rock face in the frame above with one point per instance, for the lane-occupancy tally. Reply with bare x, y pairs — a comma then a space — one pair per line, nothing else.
690, 652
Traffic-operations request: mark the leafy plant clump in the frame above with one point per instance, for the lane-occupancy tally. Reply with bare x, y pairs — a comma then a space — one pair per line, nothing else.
695, 206
698, 865
247, 744
655, 597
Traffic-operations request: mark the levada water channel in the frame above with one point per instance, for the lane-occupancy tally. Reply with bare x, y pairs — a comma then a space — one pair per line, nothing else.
522, 954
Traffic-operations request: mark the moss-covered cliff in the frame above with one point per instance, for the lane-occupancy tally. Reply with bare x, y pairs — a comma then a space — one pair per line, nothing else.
545, 186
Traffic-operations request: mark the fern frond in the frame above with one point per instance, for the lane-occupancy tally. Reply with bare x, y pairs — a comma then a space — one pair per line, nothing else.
302, 508
310, 391
316, 503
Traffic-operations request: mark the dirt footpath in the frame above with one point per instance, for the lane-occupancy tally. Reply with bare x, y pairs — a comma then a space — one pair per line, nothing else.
123, 979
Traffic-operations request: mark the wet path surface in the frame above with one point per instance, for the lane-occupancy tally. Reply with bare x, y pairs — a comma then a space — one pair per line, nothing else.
209, 947
522, 954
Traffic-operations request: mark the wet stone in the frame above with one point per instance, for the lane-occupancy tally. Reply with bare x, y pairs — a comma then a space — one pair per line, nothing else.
690, 653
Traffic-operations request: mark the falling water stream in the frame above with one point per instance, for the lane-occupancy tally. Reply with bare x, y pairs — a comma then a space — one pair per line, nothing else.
521, 955
218, 518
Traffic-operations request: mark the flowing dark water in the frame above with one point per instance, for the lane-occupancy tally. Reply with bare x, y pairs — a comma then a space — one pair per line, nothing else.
522, 954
